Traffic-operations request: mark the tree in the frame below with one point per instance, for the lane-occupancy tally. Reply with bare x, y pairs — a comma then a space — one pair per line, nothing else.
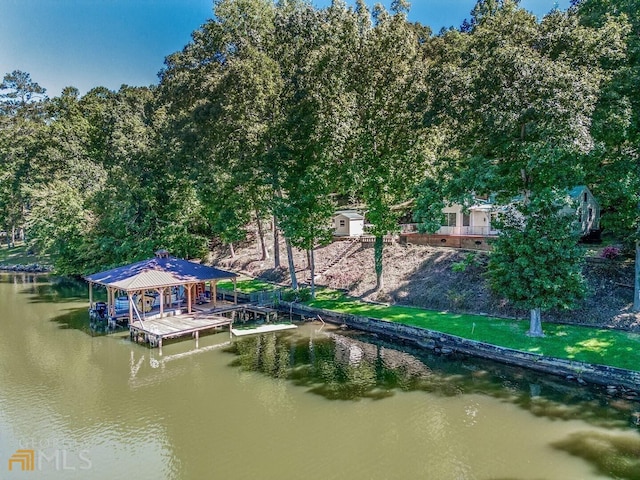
222, 93
19, 91
22, 124
615, 162
63, 178
536, 261
517, 98
385, 146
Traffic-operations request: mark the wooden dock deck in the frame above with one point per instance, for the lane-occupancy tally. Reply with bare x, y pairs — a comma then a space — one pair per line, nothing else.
153, 330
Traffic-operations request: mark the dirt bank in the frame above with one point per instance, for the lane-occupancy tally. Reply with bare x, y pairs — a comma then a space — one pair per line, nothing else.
426, 277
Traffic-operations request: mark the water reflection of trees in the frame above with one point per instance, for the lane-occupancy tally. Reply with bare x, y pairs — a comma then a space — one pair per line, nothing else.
45, 288
48, 289
614, 455
351, 366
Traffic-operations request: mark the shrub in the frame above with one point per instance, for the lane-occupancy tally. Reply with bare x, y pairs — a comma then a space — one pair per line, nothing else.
289, 295
302, 295
469, 261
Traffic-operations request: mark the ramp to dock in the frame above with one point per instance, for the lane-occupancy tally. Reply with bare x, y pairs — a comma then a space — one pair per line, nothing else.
239, 332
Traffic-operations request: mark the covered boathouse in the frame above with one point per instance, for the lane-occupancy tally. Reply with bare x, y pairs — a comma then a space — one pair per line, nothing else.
162, 284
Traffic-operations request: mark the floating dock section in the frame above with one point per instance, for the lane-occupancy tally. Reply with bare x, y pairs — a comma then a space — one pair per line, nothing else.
275, 327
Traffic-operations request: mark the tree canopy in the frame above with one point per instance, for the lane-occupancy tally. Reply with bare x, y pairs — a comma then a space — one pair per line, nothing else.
278, 113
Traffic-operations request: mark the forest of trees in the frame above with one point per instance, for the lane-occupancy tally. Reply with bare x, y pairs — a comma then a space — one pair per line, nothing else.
277, 111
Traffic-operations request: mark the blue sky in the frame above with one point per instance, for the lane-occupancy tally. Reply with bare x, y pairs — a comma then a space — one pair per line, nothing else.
89, 43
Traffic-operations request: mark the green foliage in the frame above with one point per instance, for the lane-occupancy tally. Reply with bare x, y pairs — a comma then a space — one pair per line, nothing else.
536, 262
470, 260
277, 108
427, 212
300, 295
19, 93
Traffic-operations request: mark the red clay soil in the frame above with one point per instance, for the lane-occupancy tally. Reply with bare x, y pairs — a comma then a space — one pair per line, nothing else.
424, 276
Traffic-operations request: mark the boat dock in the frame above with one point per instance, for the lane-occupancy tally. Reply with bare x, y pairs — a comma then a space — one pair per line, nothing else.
154, 330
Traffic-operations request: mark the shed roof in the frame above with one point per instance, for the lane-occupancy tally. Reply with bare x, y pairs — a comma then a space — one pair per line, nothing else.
158, 272
577, 190
350, 215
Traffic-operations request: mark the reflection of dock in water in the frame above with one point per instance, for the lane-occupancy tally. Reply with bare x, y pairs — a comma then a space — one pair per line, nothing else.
158, 364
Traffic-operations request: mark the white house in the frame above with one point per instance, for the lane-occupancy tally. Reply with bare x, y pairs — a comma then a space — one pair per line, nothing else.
477, 221
479, 218
348, 223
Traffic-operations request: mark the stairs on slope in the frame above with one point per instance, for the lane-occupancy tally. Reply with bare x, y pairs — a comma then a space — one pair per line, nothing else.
350, 249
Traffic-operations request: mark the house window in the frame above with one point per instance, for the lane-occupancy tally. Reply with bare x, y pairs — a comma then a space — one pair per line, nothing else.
342, 223
466, 219
590, 214
585, 199
449, 220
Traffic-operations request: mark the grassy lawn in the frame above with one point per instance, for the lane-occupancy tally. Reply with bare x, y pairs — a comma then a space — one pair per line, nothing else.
18, 255
247, 285
606, 347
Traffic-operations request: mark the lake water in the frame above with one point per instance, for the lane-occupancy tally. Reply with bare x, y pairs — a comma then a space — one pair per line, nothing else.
313, 403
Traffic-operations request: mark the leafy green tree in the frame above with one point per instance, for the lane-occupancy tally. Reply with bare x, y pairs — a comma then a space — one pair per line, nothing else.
222, 93
63, 178
312, 127
536, 262
22, 123
517, 98
615, 162
385, 146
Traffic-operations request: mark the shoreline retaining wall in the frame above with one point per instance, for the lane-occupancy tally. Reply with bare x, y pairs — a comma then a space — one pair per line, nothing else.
445, 343
29, 268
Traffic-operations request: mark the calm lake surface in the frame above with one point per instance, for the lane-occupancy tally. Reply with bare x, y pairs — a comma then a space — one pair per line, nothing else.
312, 403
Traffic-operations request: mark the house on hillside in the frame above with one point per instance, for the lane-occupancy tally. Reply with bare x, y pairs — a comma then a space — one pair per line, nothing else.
477, 221
473, 227
348, 223
587, 210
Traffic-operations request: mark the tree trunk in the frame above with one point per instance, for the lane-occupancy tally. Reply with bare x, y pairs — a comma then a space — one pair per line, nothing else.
636, 290
312, 267
264, 253
292, 267
13, 236
377, 258
276, 244
231, 249
535, 327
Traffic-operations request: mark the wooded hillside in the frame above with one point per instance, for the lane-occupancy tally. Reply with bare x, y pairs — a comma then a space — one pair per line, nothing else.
280, 112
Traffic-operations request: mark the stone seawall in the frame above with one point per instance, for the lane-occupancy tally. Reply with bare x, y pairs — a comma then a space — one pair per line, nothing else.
445, 343
29, 268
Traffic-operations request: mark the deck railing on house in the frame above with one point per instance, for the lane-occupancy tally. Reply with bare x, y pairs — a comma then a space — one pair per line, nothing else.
482, 231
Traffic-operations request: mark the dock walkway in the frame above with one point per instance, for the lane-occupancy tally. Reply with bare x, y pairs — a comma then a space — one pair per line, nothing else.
154, 330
